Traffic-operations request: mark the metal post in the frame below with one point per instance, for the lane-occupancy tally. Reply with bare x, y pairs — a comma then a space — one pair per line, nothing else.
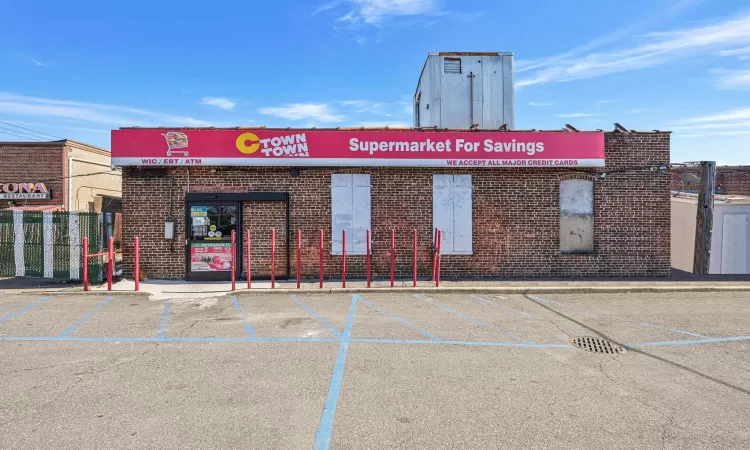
247, 244
368, 258
111, 265
414, 269
137, 264
234, 254
299, 256
434, 255
705, 219
393, 257
85, 263
320, 264
273, 258
343, 260
437, 266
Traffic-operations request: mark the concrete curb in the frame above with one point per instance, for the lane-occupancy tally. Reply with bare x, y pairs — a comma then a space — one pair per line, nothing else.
445, 290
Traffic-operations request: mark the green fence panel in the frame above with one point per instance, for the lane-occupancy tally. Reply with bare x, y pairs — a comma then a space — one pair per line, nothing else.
56, 236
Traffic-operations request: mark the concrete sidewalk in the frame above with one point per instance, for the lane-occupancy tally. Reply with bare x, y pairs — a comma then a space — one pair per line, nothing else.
163, 289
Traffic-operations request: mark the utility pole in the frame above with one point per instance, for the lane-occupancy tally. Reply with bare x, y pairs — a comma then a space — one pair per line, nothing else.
705, 218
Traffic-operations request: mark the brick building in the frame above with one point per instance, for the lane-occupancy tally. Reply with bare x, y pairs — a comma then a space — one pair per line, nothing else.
57, 175
731, 180
506, 221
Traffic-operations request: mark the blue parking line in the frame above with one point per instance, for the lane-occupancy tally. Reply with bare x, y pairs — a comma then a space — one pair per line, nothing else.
162, 331
400, 319
25, 308
469, 343
83, 320
602, 313
325, 429
470, 319
674, 330
316, 316
522, 313
166, 339
565, 305
689, 342
248, 328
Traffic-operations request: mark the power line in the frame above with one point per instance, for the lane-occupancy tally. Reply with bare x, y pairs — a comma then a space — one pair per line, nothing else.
29, 129
18, 133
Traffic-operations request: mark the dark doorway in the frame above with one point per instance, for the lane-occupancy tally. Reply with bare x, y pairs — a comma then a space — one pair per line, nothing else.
211, 218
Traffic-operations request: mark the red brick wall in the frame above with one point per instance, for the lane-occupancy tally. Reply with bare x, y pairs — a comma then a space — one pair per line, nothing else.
259, 218
735, 180
29, 164
516, 216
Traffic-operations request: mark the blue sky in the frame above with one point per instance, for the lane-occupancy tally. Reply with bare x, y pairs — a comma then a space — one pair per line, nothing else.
78, 69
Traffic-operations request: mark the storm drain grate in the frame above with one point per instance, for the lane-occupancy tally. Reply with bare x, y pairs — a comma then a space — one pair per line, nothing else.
596, 345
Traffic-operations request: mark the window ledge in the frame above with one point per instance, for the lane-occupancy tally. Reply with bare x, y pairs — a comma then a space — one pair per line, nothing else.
348, 253
579, 253
457, 253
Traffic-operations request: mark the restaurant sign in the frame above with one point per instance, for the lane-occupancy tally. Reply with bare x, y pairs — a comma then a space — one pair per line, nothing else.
386, 148
13, 191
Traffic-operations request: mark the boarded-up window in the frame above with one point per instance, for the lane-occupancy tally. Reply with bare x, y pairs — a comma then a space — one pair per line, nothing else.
576, 216
451, 212
350, 211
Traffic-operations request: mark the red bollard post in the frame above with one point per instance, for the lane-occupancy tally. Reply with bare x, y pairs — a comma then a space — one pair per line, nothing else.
111, 265
234, 254
437, 269
320, 265
247, 243
85, 264
434, 255
368, 258
299, 256
137, 264
343, 260
414, 269
393, 257
273, 258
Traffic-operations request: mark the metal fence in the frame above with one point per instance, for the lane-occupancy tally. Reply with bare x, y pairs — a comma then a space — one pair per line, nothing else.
45, 244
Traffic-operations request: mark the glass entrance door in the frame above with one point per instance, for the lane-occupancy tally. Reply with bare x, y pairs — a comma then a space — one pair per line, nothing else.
209, 246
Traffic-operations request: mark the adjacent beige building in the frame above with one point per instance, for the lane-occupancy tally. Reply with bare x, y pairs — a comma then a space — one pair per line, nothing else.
69, 175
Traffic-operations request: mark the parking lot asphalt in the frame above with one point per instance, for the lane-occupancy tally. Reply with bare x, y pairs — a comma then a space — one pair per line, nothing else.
374, 370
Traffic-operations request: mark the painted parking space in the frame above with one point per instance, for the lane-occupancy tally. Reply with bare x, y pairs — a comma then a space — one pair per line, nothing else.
49, 315
375, 370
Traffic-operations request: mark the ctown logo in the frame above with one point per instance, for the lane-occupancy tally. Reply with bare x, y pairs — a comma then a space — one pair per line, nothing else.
288, 145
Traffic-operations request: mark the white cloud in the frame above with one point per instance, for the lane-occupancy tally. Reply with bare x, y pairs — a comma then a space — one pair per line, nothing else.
715, 133
301, 111
735, 122
605, 102
658, 49
111, 115
540, 104
742, 53
219, 102
36, 61
384, 124
383, 109
578, 114
375, 12
733, 114
732, 79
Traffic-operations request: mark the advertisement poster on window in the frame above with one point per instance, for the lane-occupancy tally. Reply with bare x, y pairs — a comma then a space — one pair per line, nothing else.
210, 257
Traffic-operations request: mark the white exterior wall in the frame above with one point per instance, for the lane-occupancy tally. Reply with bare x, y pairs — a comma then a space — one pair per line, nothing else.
445, 99
730, 240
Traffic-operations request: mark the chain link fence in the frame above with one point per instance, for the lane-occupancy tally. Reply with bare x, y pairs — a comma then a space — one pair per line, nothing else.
45, 244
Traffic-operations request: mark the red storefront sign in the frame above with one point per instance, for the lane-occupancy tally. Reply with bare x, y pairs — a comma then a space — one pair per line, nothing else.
387, 148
